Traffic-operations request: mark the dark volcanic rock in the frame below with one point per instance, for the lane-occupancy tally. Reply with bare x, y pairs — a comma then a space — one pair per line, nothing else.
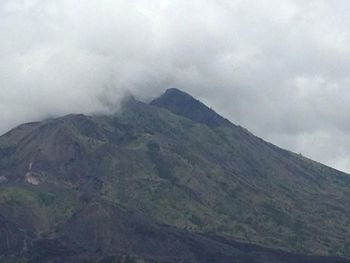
102, 229
180, 103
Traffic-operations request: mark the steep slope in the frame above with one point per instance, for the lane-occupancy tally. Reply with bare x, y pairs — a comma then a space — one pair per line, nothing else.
183, 104
185, 166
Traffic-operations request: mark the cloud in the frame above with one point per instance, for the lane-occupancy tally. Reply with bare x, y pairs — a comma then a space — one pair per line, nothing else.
279, 68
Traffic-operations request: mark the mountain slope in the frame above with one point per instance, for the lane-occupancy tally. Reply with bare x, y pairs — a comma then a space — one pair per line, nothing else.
103, 232
185, 166
185, 105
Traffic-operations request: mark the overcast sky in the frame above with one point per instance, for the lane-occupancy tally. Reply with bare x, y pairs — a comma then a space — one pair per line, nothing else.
277, 67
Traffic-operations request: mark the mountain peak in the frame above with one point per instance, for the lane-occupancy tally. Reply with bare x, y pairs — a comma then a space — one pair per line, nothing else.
183, 104
176, 92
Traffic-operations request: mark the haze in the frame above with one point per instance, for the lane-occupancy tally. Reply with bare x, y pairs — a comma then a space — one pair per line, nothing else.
278, 68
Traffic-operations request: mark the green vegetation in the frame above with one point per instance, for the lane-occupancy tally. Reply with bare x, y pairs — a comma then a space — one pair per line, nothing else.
35, 209
217, 179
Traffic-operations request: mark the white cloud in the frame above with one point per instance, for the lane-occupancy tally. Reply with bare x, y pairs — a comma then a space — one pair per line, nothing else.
279, 68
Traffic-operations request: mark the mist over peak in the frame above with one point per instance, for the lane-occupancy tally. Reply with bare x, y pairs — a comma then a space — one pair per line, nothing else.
279, 69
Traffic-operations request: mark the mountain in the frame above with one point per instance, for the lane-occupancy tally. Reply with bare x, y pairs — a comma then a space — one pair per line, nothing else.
181, 103
193, 182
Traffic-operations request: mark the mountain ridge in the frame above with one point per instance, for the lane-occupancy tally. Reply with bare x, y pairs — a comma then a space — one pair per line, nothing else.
181, 169
183, 104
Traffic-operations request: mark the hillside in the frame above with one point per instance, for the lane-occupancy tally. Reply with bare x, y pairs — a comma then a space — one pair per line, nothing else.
100, 231
179, 163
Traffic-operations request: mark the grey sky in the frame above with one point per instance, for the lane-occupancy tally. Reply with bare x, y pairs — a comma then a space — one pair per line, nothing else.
277, 67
